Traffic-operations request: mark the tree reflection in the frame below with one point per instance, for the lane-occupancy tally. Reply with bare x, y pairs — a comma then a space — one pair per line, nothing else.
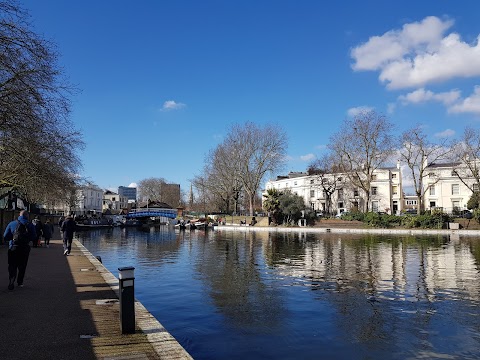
236, 286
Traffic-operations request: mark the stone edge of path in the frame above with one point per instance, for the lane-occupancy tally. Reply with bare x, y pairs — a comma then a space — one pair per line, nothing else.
162, 341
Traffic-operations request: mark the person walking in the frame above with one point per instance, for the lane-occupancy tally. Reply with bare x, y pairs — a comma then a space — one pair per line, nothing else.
39, 230
68, 228
18, 233
47, 232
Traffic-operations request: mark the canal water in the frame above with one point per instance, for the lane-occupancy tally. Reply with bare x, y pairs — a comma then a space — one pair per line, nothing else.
236, 295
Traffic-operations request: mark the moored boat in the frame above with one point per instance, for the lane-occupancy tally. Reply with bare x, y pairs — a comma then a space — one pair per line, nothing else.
93, 223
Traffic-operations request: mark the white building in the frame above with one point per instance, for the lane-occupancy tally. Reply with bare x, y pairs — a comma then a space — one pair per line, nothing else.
444, 189
386, 194
114, 202
89, 200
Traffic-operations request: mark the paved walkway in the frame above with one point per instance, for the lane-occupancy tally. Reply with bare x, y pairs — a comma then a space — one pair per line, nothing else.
68, 309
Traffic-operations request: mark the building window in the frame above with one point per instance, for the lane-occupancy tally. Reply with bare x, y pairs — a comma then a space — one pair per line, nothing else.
312, 193
395, 190
394, 176
475, 187
294, 183
374, 190
454, 173
355, 192
340, 205
374, 177
456, 206
411, 202
312, 181
455, 189
375, 206
339, 179
340, 194
433, 204
432, 190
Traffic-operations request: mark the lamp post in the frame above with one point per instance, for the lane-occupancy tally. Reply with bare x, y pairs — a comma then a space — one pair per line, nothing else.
235, 196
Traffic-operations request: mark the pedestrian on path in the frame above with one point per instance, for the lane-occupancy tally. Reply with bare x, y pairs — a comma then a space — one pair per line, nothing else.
47, 232
68, 228
18, 233
39, 230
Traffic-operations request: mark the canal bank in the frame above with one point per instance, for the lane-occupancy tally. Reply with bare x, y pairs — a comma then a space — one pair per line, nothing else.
68, 309
343, 230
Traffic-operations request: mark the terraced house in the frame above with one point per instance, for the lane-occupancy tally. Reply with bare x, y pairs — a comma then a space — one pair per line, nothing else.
449, 186
335, 193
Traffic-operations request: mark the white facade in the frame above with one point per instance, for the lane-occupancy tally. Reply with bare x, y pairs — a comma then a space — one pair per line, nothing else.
444, 189
89, 200
114, 202
386, 194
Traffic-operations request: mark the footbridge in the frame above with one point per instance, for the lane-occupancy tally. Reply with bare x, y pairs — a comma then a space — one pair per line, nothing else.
152, 212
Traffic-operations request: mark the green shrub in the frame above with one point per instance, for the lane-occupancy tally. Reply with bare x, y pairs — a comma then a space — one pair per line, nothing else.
433, 220
429, 220
354, 215
476, 215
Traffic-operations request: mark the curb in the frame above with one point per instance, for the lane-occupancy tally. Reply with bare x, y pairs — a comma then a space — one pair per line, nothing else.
164, 344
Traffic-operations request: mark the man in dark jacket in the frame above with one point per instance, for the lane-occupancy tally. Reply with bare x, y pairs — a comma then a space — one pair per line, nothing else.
47, 232
39, 229
18, 233
68, 228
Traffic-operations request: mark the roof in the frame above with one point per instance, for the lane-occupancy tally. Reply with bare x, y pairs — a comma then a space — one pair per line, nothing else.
444, 165
155, 204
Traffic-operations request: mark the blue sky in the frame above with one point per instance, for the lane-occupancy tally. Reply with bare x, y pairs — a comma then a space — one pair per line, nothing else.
162, 81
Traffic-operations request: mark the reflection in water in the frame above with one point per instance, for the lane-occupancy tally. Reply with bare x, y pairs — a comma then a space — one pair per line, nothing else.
236, 295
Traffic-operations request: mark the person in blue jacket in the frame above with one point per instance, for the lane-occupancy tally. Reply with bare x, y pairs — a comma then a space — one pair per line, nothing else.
18, 251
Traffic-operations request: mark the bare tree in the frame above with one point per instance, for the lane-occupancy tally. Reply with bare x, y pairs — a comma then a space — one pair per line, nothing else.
327, 178
220, 178
157, 189
467, 154
363, 145
254, 151
150, 189
203, 201
417, 153
38, 143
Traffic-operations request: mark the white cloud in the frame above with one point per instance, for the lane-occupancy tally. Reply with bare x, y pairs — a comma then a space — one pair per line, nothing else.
172, 105
133, 185
421, 96
470, 104
391, 108
357, 110
418, 54
308, 157
446, 133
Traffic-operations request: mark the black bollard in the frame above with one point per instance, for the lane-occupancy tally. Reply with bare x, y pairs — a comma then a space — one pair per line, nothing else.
127, 299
